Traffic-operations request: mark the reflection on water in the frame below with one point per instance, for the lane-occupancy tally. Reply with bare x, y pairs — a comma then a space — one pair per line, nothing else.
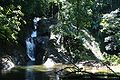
57, 77
35, 72
29, 72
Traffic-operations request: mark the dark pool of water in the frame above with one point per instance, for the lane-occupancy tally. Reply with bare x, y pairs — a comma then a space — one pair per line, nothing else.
24, 74
36, 73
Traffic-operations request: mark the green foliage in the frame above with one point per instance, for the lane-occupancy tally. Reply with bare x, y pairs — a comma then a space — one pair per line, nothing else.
111, 23
78, 15
75, 16
112, 58
10, 19
117, 36
33, 8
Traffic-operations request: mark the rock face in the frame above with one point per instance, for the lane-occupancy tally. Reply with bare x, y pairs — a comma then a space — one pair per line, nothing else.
42, 39
46, 47
6, 64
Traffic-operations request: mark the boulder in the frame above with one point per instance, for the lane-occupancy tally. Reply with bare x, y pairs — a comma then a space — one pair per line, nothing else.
6, 64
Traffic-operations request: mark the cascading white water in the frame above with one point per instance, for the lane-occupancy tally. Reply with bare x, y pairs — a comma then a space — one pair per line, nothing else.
31, 51
30, 48
30, 41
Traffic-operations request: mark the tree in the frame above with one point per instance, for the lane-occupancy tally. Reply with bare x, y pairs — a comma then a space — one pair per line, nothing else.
10, 19
74, 17
110, 31
10, 22
77, 17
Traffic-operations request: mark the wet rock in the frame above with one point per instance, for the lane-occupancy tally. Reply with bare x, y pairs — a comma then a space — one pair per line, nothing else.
6, 64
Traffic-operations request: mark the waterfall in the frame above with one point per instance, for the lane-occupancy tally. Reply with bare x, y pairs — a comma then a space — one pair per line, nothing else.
30, 45
30, 48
